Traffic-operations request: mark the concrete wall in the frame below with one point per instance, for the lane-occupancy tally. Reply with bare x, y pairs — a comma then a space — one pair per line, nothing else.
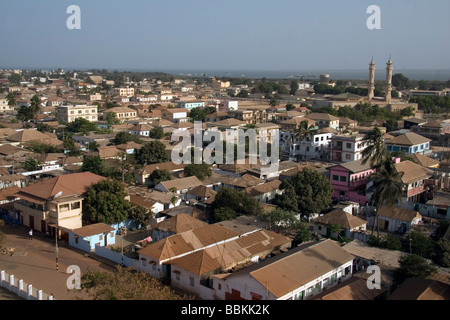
21, 288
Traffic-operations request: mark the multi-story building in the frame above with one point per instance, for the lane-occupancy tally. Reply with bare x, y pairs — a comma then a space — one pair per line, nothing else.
70, 113
124, 91
54, 203
122, 113
437, 131
347, 147
316, 147
349, 181
324, 120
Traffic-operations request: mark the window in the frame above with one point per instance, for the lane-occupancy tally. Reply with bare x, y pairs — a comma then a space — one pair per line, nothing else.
348, 145
191, 281
347, 157
343, 179
335, 178
219, 286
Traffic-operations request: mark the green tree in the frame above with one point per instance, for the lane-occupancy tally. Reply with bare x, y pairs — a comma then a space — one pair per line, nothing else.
288, 200
417, 242
290, 107
304, 133
94, 164
81, 125
293, 87
35, 105
141, 216
15, 79
313, 191
201, 171
375, 151
400, 81
387, 187
157, 133
105, 202
11, 99
152, 152
280, 220
224, 214
158, 176
124, 137
413, 266
111, 119
31, 164
236, 200
441, 253
197, 114
303, 233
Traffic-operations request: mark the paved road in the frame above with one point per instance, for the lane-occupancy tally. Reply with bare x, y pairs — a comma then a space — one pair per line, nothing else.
34, 261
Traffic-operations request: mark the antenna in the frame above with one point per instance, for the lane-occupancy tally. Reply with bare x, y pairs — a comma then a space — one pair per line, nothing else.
57, 195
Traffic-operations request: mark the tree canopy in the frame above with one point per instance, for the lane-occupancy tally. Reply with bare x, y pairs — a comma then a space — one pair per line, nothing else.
152, 152
105, 202
312, 189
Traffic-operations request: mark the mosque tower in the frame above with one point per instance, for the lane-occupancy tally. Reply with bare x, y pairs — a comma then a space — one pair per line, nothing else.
371, 80
389, 69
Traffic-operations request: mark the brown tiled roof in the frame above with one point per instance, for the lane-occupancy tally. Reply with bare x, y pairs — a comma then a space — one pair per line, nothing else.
263, 188
408, 139
341, 218
202, 191
226, 255
186, 242
398, 213
321, 116
69, 185
29, 135
245, 181
412, 171
424, 160
183, 183
421, 289
180, 223
93, 229
169, 166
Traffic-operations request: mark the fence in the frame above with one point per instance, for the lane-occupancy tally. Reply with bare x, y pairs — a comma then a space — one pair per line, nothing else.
114, 256
17, 286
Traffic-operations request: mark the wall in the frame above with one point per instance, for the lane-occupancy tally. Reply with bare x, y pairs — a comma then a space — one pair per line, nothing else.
21, 288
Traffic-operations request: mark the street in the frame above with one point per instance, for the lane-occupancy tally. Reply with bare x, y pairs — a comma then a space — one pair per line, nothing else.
34, 261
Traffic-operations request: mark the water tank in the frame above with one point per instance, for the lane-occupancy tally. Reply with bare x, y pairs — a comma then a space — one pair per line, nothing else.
325, 78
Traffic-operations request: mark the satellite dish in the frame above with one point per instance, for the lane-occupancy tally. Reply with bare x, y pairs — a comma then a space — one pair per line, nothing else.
57, 195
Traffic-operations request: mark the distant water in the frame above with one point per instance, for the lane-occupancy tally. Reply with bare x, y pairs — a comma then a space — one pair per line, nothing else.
440, 75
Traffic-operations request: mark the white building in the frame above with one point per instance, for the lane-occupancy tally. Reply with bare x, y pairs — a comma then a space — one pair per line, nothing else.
315, 148
298, 274
70, 113
347, 147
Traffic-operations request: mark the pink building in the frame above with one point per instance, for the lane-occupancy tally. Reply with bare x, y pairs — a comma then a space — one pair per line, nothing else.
348, 181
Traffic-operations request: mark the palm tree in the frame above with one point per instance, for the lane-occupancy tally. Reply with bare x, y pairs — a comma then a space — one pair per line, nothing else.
304, 132
375, 151
387, 186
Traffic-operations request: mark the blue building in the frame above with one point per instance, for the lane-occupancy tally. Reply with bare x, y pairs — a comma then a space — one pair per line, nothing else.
410, 143
87, 237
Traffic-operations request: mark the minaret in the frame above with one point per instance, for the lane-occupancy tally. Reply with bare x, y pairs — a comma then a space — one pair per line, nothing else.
388, 80
371, 80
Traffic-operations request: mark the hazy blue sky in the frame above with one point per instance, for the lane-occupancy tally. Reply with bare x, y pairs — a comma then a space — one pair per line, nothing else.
225, 35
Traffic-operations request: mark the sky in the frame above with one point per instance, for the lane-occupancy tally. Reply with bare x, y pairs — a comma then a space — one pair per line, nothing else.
224, 35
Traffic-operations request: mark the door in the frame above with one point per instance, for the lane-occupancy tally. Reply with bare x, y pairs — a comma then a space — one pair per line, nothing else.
31, 222
43, 226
